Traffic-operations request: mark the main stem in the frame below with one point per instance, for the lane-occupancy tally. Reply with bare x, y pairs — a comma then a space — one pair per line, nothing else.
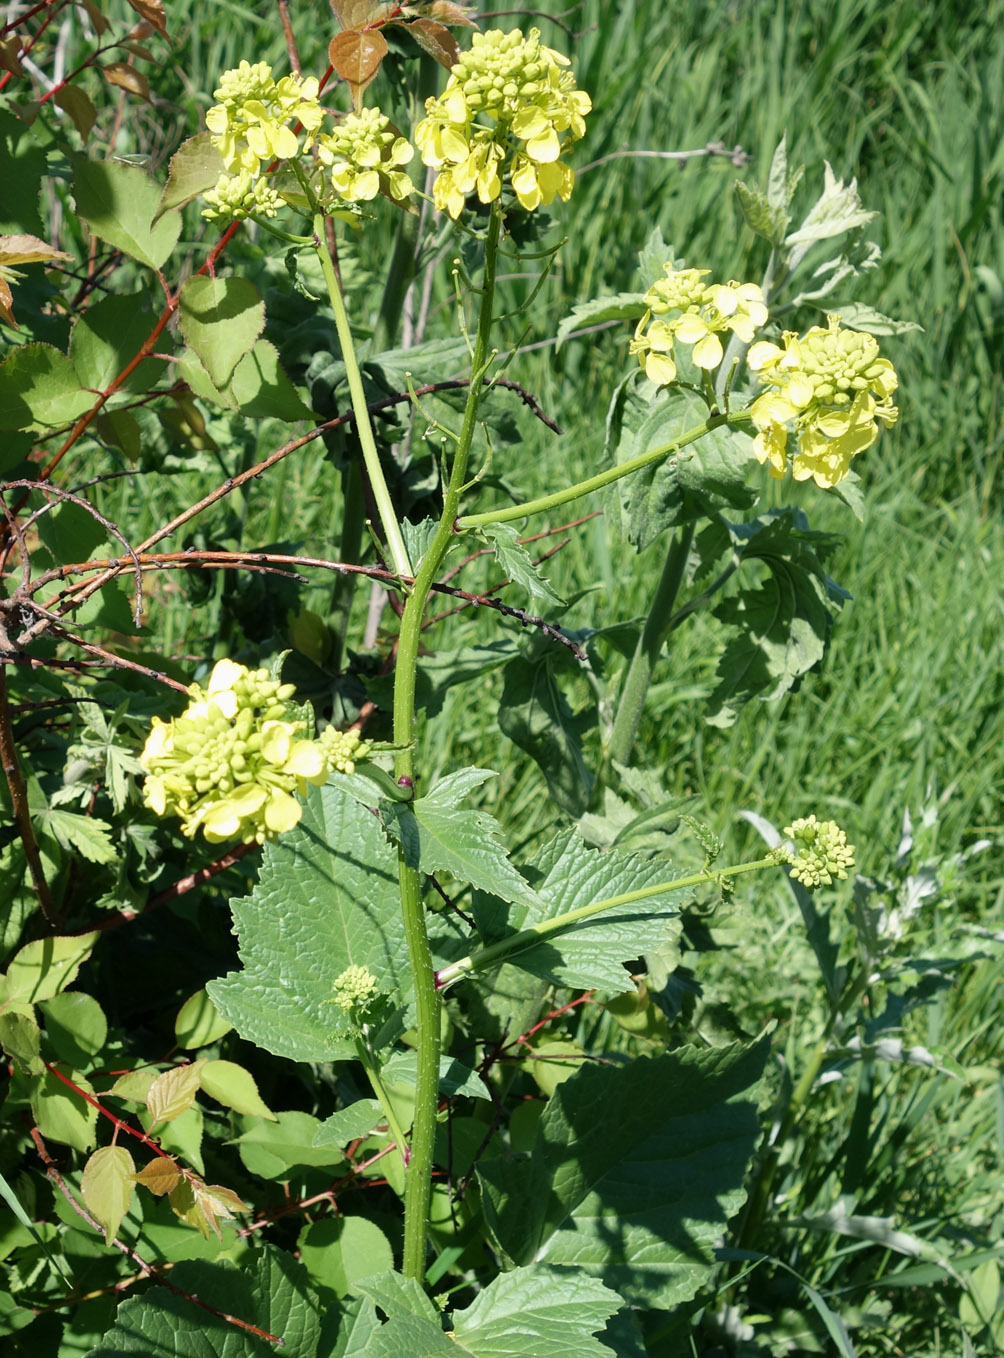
418, 1182
643, 662
385, 508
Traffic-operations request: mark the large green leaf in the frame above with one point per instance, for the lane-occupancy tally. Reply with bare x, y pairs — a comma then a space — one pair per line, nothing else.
108, 335
635, 1171
567, 875
702, 478
118, 203
39, 387
780, 626
221, 319
326, 898
270, 1292
437, 836
549, 1312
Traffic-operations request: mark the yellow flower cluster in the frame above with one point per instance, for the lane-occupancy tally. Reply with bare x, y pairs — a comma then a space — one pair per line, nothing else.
681, 307
832, 387
821, 853
229, 765
251, 126
508, 106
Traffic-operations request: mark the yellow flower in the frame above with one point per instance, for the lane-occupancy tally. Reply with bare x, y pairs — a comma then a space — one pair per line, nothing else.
364, 152
250, 123
704, 312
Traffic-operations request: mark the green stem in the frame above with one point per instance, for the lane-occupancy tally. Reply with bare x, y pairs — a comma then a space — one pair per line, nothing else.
418, 1183
377, 1085
364, 429
498, 952
605, 478
349, 551
646, 655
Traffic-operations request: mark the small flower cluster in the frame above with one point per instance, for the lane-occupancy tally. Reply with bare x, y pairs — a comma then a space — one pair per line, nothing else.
821, 853
230, 764
250, 126
833, 388
354, 990
508, 105
681, 307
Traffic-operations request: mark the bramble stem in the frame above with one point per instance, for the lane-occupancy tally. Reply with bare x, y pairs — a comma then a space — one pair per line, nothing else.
385, 508
605, 478
418, 1182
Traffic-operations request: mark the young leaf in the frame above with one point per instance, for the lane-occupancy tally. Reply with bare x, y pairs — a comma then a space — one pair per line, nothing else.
107, 1186
356, 57
635, 1171
517, 563
160, 1176
567, 874
438, 836
85, 836
234, 1087
438, 41
127, 78
221, 318
174, 1091
326, 898
118, 203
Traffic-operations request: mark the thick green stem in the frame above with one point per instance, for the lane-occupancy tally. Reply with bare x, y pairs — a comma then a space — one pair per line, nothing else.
418, 1184
498, 952
364, 429
605, 478
643, 662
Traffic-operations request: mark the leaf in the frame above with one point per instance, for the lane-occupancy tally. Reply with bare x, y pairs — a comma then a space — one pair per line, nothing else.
10, 53
198, 1022
454, 1076
20, 1038
127, 78
339, 1250
438, 837
152, 12
535, 715
84, 835
259, 387
160, 1176
438, 41
108, 336
624, 306
348, 1124
837, 209
635, 1171
271, 1149
45, 967
356, 57
767, 221
118, 203
24, 249
173, 1091
195, 167
62, 1113
235, 1088
549, 1312
107, 1186
517, 563
857, 316
691, 484
221, 319
567, 875
75, 1026
39, 388
269, 1292
781, 626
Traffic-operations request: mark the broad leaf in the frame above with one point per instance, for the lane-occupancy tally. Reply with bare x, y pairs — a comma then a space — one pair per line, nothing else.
269, 1293
47, 966
781, 625
348, 1124
338, 1250
437, 836
234, 1087
63, 1113
221, 319
108, 336
691, 484
568, 875
173, 1091
39, 387
624, 306
549, 1312
326, 898
195, 167
635, 1171
118, 203
107, 1186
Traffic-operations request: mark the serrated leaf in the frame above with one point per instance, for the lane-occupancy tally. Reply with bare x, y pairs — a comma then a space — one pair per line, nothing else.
107, 337
152, 12
549, 1312
694, 483
198, 1023
356, 56
517, 562
635, 1172
454, 1076
760, 216
838, 209
173, 1091
134, 1085
63, 1113
235, 1088
262, 389
567, 875
270, 1291
23, 249
195, 167
624, 306
535, 714
107, 1187
326, 898
221, 319
781, 626
48, 965
437, 836
118, 203
39, 388
857, 316
84, 835
653, 257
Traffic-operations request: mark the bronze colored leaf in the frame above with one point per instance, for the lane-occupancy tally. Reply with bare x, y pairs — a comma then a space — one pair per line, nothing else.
356, 57
438, 41
127, 78
160, 1176
98, 21
152, 11
10, 53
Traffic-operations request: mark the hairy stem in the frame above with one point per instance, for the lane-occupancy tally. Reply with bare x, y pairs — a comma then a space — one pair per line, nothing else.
418, 1184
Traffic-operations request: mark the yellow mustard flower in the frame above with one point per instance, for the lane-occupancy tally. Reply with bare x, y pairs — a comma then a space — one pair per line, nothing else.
694, 313
250, 123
